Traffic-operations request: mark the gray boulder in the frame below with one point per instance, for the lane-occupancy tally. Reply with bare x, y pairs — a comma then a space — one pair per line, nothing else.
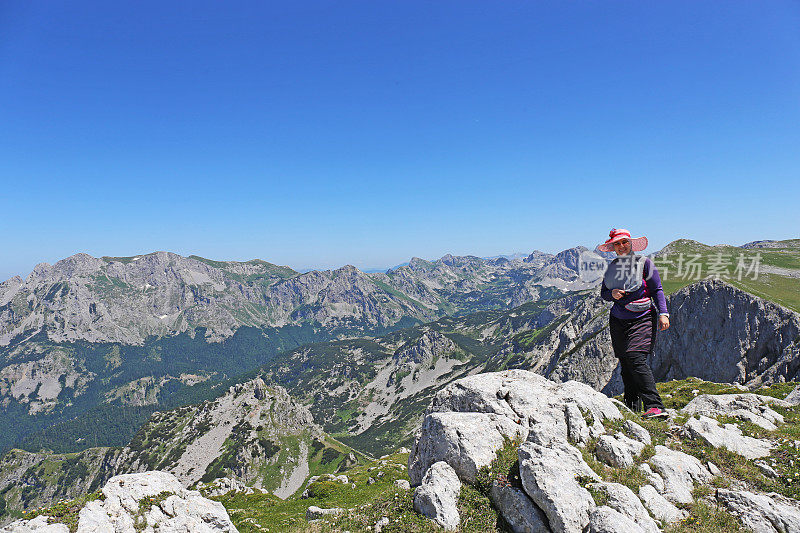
466, 441
728, 436
637, 432
763, 513
623, 500
437, 496
314, 512
659, 507
550, 477
518, 510
536, 402
751, 407
618, 451
680, 472
607, 520
37, 525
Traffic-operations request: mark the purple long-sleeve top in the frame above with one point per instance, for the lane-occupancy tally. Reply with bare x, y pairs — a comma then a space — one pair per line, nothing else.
651, 288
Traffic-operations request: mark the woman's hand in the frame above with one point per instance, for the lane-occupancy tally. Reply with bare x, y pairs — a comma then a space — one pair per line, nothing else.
617, 293
663, 322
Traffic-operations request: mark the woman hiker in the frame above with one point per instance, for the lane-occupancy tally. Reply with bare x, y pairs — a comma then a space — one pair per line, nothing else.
631, 282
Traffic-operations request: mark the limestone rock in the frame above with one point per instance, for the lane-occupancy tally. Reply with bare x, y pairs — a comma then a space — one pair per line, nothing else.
679, 472
518, 509
623, 500
182, 510
728, 436
577, 429
723, 334
313, 512
466, 441
751, 407
549, 476
793, 397
402, 484
763, 513
659, 506
637, 432
37, 525
224, 485
618, 451
536, 402
437, 496
653, 478
607, 520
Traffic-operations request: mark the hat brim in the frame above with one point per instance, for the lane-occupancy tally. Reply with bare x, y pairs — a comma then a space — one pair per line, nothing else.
637, 245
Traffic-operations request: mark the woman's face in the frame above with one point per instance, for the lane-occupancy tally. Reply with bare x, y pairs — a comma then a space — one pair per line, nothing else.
622, 247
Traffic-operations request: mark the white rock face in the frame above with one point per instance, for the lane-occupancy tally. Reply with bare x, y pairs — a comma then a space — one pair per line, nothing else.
549, 476
437, 496
37, 525
183, 510
607, 520
763, 513
728, 436
679, 472
466, 441
519, 511
659, 506
619, 450
751, 407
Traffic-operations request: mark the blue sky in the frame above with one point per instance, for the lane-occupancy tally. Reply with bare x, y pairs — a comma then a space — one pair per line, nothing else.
317, 134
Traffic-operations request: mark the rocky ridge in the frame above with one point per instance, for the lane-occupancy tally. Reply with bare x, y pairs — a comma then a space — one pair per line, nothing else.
127, 299
560, 482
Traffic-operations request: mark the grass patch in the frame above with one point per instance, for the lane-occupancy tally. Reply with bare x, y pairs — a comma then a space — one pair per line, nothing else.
705, 517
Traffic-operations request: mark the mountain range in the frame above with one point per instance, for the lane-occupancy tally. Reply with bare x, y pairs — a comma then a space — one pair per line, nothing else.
101, 356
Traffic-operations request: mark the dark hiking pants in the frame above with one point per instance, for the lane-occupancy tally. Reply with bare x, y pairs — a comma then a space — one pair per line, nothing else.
633, 341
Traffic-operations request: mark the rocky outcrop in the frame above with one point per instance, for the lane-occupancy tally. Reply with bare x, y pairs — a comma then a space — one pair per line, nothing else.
722, 334
750, 407
518, 509
718, 333
763, 513
149, 502
622, 499
727, 436
437, 496
550, 475
532, 409
618, 450
557, 490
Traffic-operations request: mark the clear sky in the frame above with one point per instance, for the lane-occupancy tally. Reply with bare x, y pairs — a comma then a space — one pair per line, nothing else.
317, 134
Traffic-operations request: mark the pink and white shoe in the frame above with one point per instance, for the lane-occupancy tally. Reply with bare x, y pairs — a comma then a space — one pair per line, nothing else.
655, 412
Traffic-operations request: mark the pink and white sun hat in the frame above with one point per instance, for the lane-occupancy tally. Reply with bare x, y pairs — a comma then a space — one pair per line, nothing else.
637, 245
